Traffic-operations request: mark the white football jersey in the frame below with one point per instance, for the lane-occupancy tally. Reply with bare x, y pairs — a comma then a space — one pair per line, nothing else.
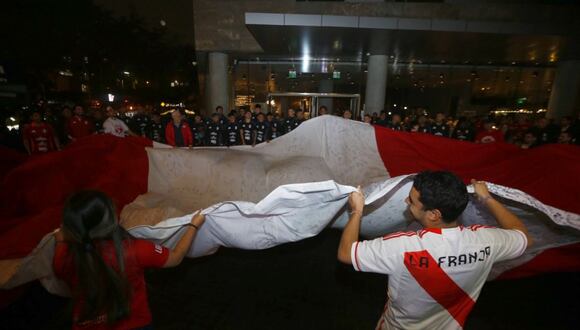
435, 275
115, 127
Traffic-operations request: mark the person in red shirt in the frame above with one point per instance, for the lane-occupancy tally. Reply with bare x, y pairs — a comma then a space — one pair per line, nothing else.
78, 125
489, 134
177, 132
104, 266
38, 136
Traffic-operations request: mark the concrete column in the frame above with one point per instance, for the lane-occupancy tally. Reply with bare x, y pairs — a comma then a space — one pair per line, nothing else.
565, 90
218, 86
464, 98
326, 86
284, 105
231, 97
376, 83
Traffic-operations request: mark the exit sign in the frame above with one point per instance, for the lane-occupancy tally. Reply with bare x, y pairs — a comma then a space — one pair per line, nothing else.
292, 74
336, 75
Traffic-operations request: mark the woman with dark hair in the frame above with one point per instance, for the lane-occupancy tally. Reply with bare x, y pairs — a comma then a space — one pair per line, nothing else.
103, 265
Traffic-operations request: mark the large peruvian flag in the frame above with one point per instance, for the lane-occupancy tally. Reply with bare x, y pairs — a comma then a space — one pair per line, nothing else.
285, 190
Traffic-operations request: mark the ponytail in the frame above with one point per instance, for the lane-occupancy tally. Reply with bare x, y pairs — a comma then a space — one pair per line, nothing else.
89, 217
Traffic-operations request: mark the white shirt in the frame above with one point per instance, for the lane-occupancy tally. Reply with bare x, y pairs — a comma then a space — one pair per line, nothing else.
115, 127
435, 275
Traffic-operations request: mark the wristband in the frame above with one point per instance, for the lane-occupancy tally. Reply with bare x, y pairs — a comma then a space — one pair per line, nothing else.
192, 225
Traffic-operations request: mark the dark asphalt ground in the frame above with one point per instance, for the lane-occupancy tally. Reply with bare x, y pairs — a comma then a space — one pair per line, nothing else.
302, 286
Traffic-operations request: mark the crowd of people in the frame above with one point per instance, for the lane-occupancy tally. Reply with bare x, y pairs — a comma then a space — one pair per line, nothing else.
46, 130
519, 130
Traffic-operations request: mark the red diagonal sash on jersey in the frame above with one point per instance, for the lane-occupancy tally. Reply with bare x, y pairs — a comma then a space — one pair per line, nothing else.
439, 285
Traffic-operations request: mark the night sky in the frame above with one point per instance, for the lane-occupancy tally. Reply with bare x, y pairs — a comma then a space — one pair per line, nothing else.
178, 14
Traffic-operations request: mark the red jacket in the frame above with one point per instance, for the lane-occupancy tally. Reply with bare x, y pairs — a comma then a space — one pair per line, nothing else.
185, 132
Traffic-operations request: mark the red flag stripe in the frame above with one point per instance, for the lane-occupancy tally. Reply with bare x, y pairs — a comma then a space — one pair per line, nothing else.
500, 163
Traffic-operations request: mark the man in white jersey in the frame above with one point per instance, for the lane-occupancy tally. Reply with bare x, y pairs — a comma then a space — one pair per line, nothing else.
114, 125
435, 274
